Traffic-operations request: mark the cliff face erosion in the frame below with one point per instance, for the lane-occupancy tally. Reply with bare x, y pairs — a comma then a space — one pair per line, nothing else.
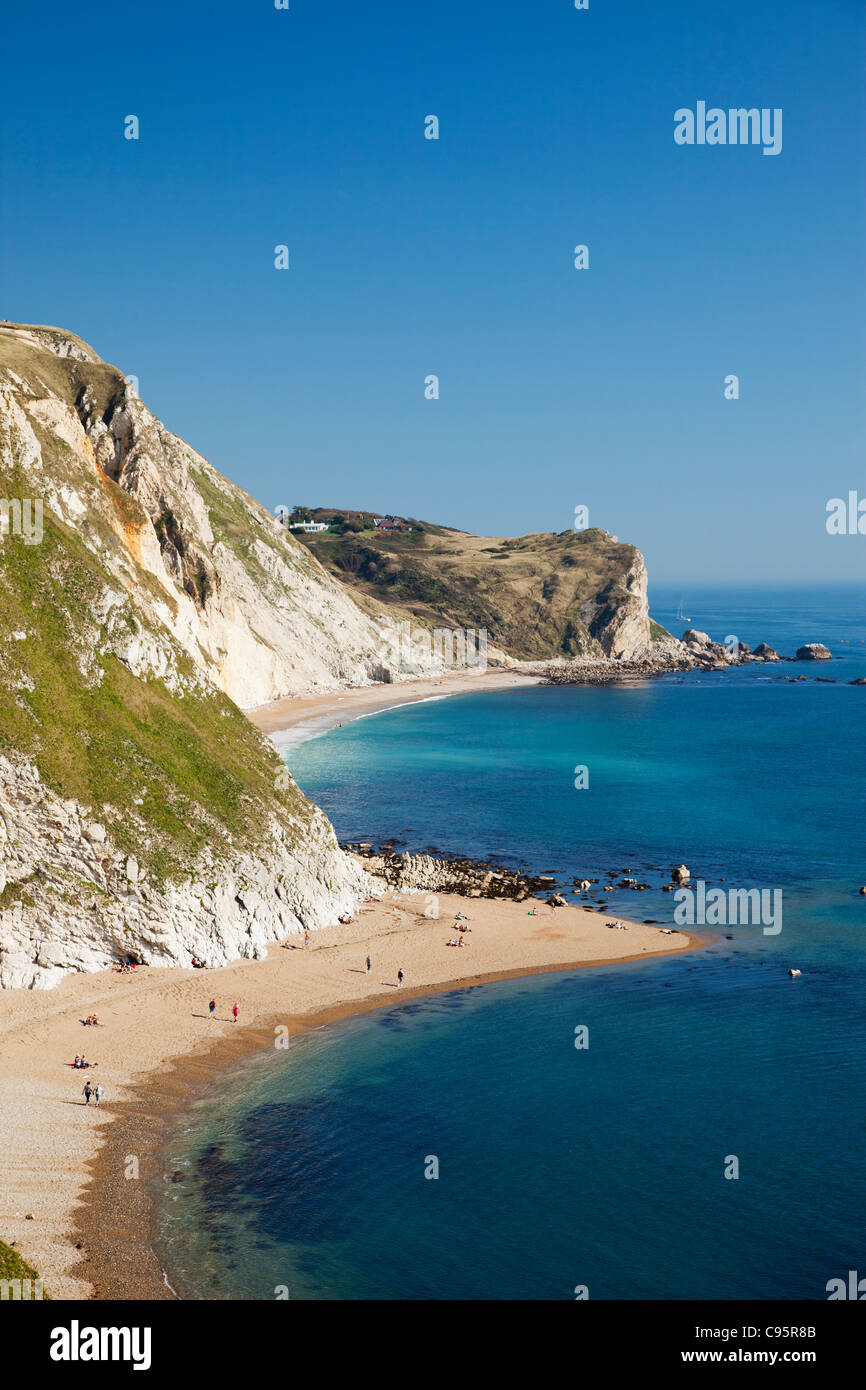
144, 599
140, 812
539, 597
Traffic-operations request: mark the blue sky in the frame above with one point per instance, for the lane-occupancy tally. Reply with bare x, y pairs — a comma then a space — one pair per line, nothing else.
558, 387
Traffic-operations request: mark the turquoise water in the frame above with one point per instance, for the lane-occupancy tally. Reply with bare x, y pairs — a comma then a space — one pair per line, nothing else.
602, 1167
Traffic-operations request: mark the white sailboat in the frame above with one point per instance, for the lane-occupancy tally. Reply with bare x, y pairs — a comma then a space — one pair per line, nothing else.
681, 616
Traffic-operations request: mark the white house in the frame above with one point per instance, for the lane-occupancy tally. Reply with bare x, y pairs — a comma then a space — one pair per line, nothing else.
308, 526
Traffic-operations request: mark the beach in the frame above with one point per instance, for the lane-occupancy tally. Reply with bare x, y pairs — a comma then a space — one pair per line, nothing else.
310, 714
74, 1197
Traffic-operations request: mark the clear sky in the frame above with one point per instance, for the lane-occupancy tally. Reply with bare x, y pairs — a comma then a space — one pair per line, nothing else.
408, 256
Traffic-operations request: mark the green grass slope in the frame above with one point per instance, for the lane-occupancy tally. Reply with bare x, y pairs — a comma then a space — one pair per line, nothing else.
539, 596
13, 1267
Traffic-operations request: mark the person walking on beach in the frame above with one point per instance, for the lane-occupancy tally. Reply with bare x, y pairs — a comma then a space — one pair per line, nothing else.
399, 977
368, 965
211, 1007
235, 1011
306, 940
97, 1095
87, 1092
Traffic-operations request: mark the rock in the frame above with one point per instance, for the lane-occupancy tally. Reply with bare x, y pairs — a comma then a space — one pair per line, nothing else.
132, 869
863, 891
266, 621
794, 973
693, 638
813, 651
766, 652
95, 833
680, 874
56, 931
861, 680
621, 623
472, 878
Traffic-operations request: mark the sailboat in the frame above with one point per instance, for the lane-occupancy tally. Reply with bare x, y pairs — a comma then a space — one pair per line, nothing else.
681, 616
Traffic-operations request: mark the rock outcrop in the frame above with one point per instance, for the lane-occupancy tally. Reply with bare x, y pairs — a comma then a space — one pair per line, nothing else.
431, 874
538, 597
73, 900
621, 624
249, 604
141, 814
814, 651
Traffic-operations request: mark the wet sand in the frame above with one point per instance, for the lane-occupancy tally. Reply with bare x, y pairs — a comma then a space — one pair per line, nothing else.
310, 714
67, 1166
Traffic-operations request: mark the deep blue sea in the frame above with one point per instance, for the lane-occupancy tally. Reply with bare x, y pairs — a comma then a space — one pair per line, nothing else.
603, 1167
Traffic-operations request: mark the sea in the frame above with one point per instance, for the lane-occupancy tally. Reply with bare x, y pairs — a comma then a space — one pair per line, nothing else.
690, 1128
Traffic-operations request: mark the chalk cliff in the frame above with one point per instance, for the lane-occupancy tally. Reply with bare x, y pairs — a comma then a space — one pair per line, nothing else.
144, 601
539, 597
145, 598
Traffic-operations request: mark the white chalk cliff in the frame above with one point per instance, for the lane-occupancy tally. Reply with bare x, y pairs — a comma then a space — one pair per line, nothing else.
148, 601
157, 590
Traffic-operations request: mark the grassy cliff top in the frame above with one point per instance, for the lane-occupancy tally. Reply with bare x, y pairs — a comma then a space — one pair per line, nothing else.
169, 773
538, 596
170, 766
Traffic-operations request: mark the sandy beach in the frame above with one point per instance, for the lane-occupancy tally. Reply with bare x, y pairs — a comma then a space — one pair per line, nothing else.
310, 714
68, 1200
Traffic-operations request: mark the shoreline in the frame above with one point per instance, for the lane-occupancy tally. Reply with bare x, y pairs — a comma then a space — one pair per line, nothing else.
297, 718
67, 1166
128, 1259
